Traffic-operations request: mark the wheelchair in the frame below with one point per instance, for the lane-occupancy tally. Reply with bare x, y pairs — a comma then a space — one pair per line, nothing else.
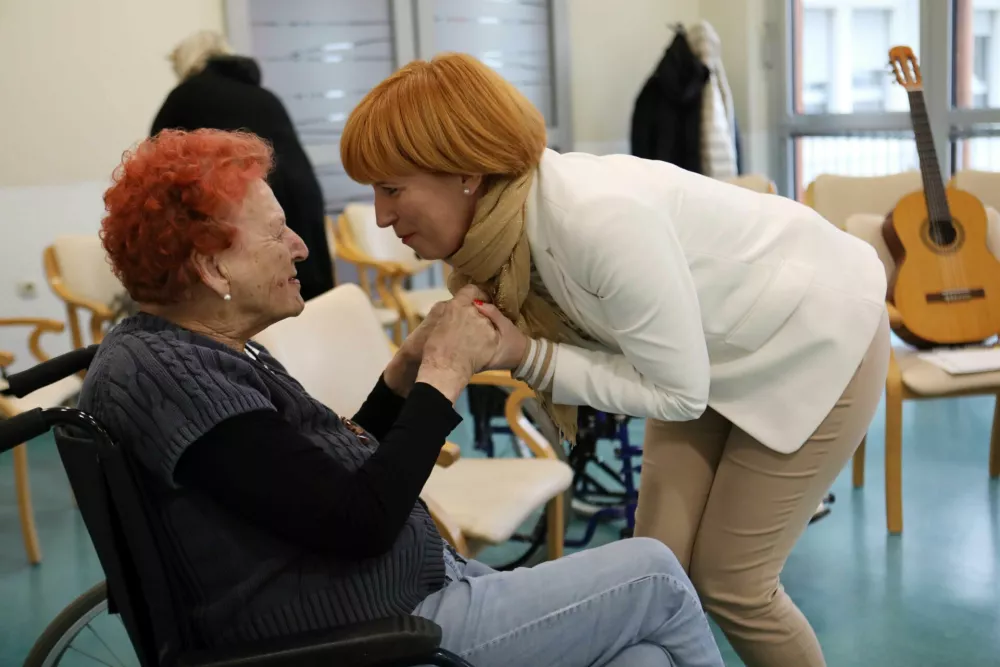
139, 589
601, 491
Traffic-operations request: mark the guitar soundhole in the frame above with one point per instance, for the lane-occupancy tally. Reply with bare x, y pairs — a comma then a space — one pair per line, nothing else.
943, 236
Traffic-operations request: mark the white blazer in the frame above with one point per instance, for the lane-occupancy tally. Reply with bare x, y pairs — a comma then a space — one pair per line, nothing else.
701, 294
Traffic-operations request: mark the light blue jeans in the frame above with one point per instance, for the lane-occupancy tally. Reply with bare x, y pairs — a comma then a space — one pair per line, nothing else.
625, 604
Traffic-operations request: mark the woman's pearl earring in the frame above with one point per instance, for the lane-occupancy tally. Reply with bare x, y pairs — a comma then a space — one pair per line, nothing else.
467, 191
227, 297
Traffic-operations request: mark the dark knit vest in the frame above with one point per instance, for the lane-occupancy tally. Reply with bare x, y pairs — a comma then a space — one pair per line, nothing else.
157, 388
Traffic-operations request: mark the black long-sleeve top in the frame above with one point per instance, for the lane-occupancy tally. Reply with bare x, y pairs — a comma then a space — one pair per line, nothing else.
261, 468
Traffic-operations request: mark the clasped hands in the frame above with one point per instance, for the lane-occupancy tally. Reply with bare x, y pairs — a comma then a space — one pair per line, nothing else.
457, 339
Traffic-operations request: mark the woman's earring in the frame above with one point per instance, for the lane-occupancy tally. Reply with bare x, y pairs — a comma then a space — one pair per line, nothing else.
227, 297
467, 191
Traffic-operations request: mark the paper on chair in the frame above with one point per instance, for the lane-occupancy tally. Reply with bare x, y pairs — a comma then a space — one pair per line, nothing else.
963, 361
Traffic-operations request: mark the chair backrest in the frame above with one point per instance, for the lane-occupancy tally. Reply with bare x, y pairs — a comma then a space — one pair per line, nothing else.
84, 268
336, 348
380, 244
838, 197
755, 182
983, 184
868, 228
119, 521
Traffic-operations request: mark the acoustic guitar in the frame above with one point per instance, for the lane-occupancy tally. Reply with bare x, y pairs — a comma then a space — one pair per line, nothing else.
946, 285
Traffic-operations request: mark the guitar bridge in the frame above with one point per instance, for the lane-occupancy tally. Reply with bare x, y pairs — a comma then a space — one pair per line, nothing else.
956, 295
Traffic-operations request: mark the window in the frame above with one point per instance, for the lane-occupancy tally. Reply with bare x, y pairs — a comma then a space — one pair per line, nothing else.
869, 77
322, 56
976, 92
976, 66
842, 112
980, 72
512, 38
817, 62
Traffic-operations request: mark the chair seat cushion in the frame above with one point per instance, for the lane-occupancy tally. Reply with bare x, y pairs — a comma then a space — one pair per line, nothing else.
926, 379
490, 498
422, 300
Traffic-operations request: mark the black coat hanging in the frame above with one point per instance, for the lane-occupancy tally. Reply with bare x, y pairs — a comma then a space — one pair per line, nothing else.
666, 120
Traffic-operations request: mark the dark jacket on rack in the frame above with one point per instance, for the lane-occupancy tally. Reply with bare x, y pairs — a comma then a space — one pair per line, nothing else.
227, 95
666, 121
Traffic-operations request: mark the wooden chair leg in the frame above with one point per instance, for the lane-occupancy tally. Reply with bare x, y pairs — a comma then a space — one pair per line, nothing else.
858, 471
894, 460
556, 527
27, 512
995, 442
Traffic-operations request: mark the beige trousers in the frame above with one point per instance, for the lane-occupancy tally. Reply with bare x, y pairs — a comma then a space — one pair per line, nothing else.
731, 510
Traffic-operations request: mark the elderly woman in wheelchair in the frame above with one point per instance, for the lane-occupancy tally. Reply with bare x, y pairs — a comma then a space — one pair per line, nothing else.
284, 517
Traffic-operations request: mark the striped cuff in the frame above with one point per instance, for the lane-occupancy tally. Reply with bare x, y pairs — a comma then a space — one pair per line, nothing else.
538, 367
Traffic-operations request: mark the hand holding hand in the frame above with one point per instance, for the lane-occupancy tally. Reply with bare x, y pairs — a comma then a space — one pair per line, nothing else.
461, 343
402, 371
512, 344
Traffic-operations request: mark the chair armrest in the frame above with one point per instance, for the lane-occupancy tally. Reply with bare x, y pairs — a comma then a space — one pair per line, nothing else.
497, 379
41, 326
522, 427
398, 640
449, 454
519, 424
895, 317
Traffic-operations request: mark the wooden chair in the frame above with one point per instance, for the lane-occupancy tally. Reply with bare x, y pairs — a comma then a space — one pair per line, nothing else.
912, 379
360, 241
369, 275
983, 184
755, 182
78, 271
51, 396
838, 197
336, 350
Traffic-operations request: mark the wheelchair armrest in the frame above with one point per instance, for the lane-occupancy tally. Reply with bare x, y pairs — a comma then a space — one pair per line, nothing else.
389, 641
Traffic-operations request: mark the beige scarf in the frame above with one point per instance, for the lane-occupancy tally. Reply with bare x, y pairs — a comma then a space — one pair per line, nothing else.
495, 257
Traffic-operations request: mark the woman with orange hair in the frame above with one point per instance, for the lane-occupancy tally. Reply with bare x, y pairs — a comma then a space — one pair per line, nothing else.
750, 331
280, 517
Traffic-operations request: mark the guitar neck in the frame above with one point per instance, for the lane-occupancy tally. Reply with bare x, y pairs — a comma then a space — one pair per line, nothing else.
930, 170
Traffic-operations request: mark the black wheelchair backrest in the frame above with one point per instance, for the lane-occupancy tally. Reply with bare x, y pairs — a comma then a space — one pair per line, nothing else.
117, 516
116, 511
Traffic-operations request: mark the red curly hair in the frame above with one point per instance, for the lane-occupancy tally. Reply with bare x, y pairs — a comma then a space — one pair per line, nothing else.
172, 197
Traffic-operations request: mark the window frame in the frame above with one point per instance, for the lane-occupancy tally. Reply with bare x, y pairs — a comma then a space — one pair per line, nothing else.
935, 58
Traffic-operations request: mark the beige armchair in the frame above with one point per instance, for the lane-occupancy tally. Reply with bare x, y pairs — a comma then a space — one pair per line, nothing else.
360, 241
838, 197
369, 275
78, 271
336, 349
755, 182
50, 396
983, 184
910, 378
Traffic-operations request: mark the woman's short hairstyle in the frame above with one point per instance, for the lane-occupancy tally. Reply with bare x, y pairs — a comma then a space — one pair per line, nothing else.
191, 55
451, 115
172, 197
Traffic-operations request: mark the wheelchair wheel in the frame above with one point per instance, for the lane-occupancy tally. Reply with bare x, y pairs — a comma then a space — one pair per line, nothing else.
84, 634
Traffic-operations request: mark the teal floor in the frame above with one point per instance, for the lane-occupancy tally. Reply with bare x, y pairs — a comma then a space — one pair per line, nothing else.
928, 598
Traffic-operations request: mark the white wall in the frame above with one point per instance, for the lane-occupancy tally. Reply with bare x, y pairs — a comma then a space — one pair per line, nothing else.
747, 52
614, 47
81, 82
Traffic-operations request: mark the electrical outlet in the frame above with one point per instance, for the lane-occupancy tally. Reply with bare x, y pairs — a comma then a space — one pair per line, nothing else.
27, 289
